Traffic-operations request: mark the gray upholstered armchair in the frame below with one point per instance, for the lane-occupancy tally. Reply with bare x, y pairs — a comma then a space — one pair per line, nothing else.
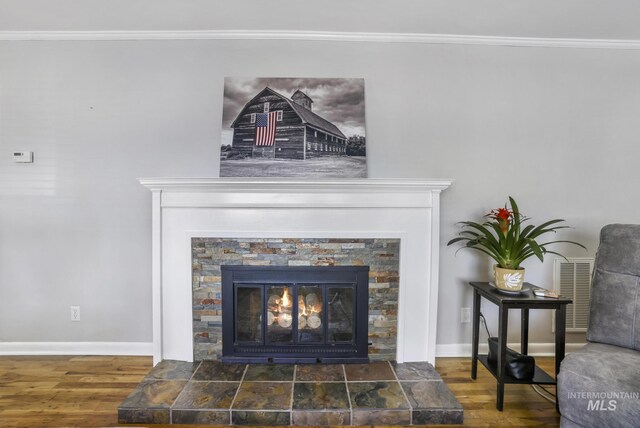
599, 385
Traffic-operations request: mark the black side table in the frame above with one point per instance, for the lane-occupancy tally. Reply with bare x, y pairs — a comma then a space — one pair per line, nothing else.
525, 301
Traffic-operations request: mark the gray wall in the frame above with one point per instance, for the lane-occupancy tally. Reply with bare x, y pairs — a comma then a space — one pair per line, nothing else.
556, 128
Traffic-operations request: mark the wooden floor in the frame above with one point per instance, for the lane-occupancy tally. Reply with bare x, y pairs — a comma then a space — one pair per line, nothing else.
56, 391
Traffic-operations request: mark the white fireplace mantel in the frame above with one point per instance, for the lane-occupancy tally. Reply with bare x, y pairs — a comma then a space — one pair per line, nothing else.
184, 208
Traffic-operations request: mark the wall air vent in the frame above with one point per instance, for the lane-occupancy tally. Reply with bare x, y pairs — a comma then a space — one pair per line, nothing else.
572, 279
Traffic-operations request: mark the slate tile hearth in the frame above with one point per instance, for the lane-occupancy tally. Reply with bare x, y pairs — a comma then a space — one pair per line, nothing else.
209, 392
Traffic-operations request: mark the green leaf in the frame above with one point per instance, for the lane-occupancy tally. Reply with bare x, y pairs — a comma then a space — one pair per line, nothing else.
526, 230
514, 206
563, 242
542, 229
536, 249
469, 232
557, 254
485, 232
454, 240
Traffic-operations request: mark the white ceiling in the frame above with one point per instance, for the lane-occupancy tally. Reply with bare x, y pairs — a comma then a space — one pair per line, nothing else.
588, 19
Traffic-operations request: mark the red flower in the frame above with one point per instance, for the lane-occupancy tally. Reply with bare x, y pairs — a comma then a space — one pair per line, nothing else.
503, 216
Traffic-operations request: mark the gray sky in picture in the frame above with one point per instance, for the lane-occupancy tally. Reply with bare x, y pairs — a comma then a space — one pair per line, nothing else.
340, 101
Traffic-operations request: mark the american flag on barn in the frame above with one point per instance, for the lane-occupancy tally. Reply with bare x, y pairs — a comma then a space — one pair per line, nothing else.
266, 128
273, 126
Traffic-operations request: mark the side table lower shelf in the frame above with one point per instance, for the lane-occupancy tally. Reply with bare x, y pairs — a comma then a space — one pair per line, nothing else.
540, 377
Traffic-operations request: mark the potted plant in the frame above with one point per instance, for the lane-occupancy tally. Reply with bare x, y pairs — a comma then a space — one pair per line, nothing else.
506, 240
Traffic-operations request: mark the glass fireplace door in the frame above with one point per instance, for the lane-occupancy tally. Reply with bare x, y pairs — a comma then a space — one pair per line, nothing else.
249, 315
311, 323
341, 315
280, 314
294, 314
302, 314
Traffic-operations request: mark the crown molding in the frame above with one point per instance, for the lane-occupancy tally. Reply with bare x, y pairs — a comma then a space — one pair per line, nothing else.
321, 36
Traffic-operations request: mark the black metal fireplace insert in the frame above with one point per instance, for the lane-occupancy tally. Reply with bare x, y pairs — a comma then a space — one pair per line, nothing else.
292, 314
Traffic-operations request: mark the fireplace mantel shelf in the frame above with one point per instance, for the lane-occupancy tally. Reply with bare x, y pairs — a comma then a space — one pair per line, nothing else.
269, 192
186, 208
283, 184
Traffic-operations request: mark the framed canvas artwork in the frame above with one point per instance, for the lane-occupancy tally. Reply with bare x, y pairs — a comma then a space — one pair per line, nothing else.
293, 127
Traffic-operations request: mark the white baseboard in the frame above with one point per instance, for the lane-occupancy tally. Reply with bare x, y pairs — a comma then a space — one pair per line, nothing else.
76, 348
535, 349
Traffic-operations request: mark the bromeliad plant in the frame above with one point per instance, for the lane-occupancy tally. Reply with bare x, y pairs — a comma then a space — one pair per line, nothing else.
506, 240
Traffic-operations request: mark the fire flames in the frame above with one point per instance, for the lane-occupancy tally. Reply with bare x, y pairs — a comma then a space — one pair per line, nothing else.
285, 301
282, 309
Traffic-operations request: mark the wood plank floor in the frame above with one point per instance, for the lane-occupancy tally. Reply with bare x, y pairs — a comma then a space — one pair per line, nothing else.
58, 391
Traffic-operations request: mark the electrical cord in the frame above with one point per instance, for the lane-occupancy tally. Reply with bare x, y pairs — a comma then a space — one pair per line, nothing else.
484, 322
546, 390
547, 395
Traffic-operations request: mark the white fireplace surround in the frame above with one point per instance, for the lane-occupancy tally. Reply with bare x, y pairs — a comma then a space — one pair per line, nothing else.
184, 208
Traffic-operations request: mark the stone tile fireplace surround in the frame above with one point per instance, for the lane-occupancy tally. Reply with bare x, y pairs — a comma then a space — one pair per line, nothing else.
402, 212
381, 255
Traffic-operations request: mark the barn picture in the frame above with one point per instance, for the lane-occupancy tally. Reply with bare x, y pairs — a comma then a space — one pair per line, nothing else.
273, 126
268, 126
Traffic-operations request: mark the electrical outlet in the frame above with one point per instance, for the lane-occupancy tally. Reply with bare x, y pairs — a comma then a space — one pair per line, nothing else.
465, 315
75, 313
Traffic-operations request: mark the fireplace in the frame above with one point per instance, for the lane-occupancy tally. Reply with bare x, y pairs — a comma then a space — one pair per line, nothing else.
268, 208
295, 314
